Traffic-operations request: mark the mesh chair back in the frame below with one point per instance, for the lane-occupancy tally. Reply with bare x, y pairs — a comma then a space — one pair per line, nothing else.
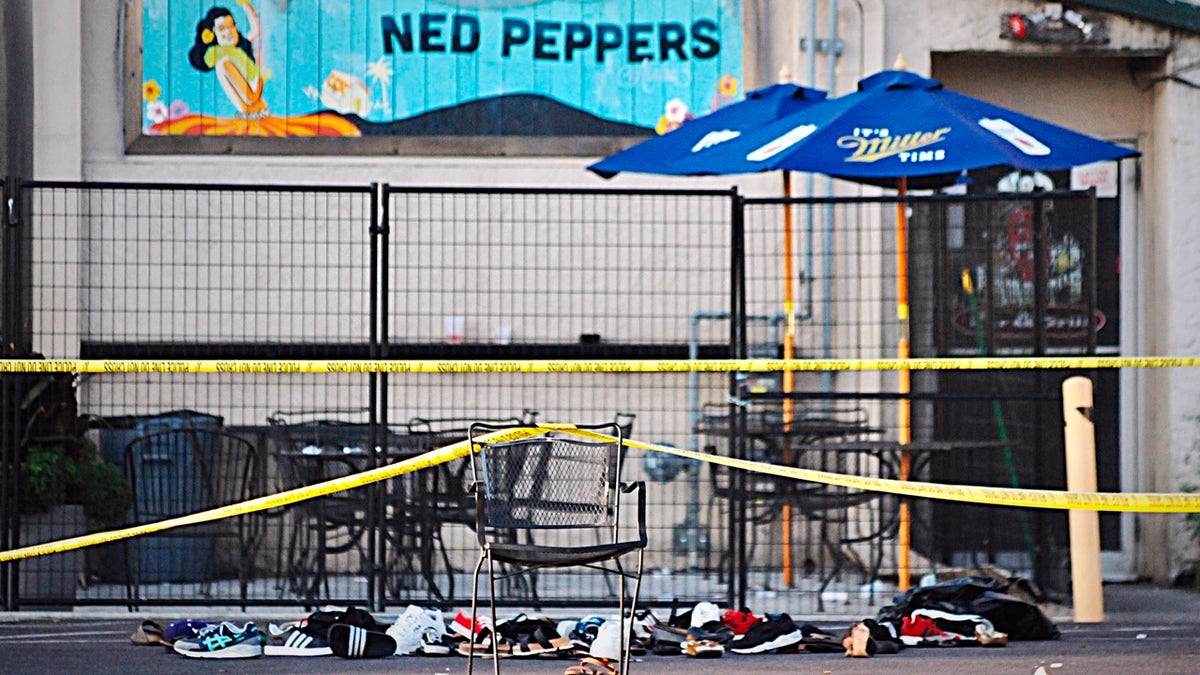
549, 484
180, 471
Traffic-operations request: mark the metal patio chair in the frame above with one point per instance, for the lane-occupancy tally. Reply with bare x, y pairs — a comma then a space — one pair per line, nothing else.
317, 529
565, 488
176, 472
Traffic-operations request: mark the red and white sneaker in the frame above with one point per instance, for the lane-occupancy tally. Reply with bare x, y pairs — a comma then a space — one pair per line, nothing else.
740, 620
917, 630
478, 631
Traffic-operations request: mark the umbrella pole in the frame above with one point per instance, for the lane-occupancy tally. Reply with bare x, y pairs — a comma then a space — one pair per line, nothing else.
904, 534
789, 376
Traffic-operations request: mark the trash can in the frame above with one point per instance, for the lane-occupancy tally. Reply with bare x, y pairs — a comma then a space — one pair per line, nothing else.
162, 470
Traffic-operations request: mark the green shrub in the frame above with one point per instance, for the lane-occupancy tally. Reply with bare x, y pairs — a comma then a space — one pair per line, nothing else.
69, 470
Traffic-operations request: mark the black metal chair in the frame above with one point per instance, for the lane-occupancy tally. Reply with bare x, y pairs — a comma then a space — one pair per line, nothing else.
565, 486
421, 504
176, 472
816, 437
307, 453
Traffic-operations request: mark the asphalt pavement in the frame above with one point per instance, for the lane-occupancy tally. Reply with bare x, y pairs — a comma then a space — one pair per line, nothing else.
1146, 630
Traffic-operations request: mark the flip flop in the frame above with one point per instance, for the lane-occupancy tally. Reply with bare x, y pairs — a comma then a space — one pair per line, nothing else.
503, 648
149, 633
703, 649
540, 644
989, 636
667, 639
352, 642
592, 666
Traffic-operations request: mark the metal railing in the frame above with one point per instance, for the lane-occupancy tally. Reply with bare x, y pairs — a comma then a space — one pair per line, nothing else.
170, 271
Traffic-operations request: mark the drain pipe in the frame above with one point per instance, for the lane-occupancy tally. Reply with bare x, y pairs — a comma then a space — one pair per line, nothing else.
810, 49
827, 282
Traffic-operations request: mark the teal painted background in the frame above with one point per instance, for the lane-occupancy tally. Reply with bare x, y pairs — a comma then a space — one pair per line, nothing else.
332, 55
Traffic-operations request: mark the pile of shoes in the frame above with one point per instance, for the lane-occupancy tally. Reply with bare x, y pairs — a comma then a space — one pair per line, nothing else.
198, 638
349, 632
707, 632
704, 632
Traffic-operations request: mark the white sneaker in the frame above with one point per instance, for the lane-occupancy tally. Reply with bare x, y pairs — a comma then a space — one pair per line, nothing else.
607, 644
704, 612
433, 633
408, 629
433, 618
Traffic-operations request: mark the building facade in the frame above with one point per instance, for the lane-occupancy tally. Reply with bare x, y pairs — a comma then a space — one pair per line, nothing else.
72, 87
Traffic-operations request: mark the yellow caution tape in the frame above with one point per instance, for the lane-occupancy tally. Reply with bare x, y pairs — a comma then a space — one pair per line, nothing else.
347, 482
1145, 502
592, 366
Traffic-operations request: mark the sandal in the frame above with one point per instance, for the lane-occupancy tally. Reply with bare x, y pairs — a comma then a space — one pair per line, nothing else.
149, 633
540, 644
353, 642
504, 649
989, 636
703, 649
592, 666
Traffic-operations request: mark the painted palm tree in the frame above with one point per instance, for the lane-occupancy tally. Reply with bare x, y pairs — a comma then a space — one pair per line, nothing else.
380, 71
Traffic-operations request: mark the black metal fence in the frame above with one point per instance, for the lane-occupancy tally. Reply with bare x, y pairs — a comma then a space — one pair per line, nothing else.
168, 271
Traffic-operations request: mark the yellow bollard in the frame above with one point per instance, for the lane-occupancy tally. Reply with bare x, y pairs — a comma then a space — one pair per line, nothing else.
1080, 436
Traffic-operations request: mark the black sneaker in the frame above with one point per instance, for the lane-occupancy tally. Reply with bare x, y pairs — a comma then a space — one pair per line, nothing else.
775, 631
295, 641
319, 622
712, 630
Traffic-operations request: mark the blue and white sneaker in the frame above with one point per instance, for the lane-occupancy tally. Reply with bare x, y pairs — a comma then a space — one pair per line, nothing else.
295, 640
188, 637
225, 640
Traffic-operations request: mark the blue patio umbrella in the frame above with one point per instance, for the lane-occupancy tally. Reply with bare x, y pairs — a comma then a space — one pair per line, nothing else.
899, 130
681, 152
685, 152
688, 151
902, 128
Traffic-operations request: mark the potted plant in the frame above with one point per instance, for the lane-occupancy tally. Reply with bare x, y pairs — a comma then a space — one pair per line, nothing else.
64, 488
67, 470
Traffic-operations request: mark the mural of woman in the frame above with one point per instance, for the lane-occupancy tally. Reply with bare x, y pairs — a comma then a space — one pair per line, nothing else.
220, 47
236, 59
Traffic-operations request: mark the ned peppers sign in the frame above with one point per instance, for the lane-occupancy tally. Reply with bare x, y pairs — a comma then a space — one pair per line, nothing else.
427, 68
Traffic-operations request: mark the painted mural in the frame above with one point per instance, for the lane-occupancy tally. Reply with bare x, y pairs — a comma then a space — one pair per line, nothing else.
429, 68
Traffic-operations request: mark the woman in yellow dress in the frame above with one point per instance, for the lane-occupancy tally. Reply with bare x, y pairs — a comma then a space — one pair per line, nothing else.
236, 59
222, 48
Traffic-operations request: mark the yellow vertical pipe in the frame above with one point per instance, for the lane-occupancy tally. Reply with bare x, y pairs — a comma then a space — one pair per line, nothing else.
904, 431
789, 376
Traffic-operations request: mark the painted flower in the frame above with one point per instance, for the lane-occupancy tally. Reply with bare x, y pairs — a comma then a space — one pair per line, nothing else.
727, 85
156, 111
666, 124
151, 90
677, 111
178, 109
